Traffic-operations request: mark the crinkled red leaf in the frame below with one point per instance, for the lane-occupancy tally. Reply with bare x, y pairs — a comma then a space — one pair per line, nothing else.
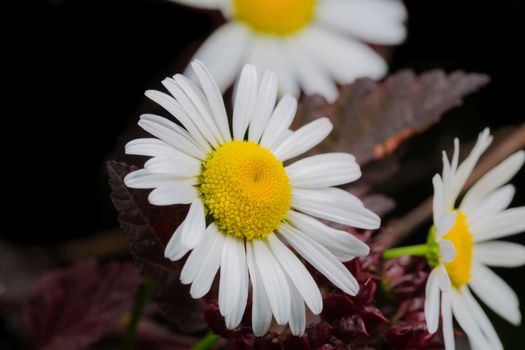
372, 118
148, 229
405, 275
72, 308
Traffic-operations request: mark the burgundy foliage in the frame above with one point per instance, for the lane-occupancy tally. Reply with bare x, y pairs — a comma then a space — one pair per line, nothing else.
148, 229
72, 308
372, 118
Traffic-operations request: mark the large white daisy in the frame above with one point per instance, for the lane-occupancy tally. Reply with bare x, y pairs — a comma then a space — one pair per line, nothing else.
464, 245
247, 207
310, 44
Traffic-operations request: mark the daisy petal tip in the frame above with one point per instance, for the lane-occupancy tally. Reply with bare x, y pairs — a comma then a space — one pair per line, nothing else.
363, 250
150, 93
297, 332
432, 327
317, 309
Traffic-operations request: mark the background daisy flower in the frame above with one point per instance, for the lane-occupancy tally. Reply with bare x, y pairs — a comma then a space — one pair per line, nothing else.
246, 206
310, 44
463, 241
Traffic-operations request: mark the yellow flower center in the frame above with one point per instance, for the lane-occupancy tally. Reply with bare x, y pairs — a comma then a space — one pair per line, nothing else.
276, 17
245, 189
460, 236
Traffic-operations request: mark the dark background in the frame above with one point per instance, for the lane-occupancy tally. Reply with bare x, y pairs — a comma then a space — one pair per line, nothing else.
81, 67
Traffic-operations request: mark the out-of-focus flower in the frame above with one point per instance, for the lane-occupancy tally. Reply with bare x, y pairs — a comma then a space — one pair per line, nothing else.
310, 44
462, 246
241, 195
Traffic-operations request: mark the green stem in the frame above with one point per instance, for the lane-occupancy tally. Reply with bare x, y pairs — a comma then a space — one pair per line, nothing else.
206, 342
142, 298
420, 250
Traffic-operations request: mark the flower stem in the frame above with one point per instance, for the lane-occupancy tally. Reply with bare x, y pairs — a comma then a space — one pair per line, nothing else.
142, 298
206, 342
420, 250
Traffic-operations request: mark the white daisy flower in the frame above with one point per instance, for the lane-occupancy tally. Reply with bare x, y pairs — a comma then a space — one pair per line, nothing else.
463, 246
247, 207
310, 44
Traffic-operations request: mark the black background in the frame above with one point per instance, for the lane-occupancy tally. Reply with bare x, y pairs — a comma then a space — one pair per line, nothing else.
80, 68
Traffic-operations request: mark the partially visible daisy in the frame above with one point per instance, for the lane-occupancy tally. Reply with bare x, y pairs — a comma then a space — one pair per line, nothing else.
463, 246
247, 207
310, 44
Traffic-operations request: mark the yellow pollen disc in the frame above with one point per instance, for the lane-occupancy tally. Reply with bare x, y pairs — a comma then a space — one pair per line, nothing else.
460, 236
277, 17
245, 189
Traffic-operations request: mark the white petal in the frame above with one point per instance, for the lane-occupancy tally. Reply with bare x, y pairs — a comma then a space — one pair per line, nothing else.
302, 140
210, 264
320, 258
231, 285
335, 205
374, 21
233, 319
267, 53
173, 106
143, 179
449, 178
446, 316
498, 176
245, 100
493, 203
279, 122
444, 280
467, 322
266, 97
193, 230
214, 96
432, 302
503, 224
466, 167
447, 250
438, 201
340, 243
274, 281
313, 77
150, 147
224, 51
201, 251
205, 4
261, 310
171, 134
481, 319
323, 170
200, 104
174, 250
498, 253
344, 58
297, 312
446, 223
496, 293
193, 104
179, 165
455, 156
298, 274
179, 193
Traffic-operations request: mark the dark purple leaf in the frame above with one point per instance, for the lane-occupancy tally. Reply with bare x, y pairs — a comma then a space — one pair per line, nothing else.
405, 275
372, 118
148, 229
72, 308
